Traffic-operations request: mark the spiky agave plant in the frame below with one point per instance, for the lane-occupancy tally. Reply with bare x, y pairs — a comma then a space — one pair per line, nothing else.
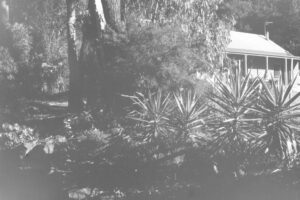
233, 125
167, 123
189, 115
277, 108
151, 112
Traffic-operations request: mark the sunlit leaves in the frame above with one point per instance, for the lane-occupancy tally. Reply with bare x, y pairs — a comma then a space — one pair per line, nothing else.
15, 135
30, 146
49, 146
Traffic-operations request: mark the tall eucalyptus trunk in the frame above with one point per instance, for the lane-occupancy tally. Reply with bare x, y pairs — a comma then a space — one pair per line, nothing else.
4, 24
92, 52
105, 19
75, 91
114, 13
4, 12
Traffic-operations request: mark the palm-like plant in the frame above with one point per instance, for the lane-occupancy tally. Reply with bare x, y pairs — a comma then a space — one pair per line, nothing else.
232, 125
167, 123
277, 108
162, 115
189, 114
152, 113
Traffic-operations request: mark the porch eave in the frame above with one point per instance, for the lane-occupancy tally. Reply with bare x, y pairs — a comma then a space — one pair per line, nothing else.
261, 54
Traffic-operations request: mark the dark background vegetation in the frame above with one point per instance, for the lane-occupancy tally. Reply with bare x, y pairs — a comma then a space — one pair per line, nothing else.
119, 112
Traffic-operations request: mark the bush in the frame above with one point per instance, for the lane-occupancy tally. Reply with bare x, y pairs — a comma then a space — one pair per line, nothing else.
243, 120
8, 67
21, 43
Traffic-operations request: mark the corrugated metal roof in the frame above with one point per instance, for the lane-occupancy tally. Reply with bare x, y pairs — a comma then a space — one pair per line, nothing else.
253, 44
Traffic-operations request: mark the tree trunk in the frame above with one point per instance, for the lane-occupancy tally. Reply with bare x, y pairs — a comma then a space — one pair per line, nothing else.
91, 53
4, 11
105, 16
5, 34
75, 91
114, 14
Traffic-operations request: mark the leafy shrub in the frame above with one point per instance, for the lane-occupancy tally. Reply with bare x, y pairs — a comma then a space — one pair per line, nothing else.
13, 135
8, 67
53, 79
21, 43
16, 53
52, 44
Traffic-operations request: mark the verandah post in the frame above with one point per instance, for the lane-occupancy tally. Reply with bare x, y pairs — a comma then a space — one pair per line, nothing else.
267, 66
246, 64
292, 68
285, 72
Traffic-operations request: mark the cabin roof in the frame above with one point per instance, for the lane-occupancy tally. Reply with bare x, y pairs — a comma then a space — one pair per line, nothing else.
257, 45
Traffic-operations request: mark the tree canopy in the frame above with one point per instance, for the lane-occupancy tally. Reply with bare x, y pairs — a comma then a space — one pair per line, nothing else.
251, 16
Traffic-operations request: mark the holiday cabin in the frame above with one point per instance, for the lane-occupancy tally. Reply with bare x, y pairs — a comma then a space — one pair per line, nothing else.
260, 56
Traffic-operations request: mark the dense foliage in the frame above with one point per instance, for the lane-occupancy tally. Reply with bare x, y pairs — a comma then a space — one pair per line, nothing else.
156, 130
173, 39
231, 135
